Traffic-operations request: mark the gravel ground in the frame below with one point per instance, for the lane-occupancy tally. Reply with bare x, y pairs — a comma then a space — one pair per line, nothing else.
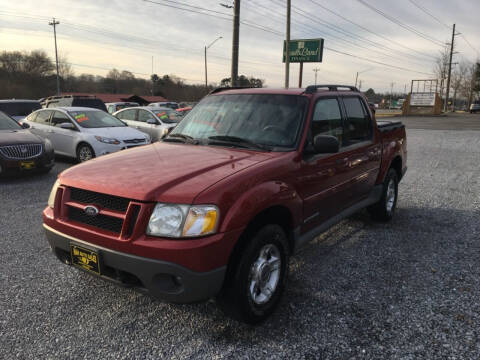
409, 289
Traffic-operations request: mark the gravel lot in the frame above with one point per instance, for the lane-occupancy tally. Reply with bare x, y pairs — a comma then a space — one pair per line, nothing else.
409, 289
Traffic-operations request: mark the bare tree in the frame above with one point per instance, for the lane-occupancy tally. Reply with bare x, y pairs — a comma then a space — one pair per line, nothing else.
441, 68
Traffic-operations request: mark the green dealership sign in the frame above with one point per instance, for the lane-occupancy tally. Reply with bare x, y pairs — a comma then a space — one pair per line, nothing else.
305, 50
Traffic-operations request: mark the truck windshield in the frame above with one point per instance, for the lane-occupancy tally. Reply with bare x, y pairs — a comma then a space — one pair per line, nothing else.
264, 119
95, 119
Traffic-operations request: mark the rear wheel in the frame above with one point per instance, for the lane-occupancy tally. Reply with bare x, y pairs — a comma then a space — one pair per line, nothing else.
255, 284
84, 152
384, 209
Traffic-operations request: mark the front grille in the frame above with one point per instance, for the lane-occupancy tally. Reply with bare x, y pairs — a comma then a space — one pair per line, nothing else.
21, 152
134, 141
103, 200
99, 221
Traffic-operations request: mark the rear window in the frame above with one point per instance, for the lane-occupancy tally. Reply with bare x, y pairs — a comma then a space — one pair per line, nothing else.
19, 108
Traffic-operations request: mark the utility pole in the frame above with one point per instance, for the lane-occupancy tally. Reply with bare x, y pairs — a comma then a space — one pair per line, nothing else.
287, 46
54, 24
449, 69
153, 83
391, 94
360, 85
356, 79
316, 70
235, 42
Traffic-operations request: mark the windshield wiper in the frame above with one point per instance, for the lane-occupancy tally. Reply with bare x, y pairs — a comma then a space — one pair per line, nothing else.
235, 140
180, 138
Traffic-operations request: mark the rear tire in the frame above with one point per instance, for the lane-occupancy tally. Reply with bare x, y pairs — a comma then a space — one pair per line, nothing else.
255, 284
384, 209
84, 152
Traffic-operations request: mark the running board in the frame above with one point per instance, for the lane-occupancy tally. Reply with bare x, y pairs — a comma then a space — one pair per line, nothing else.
302, 240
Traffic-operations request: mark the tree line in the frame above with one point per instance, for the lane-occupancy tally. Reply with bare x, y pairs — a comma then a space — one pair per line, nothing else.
32, 75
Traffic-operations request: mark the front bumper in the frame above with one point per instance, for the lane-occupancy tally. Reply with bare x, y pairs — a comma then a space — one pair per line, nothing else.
13, 167
103, 149
161, 279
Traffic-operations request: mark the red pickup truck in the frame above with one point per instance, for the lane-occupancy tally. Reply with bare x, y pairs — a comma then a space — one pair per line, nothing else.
217, 207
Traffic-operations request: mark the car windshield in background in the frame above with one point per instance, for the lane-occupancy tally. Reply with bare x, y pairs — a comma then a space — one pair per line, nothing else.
6, 123
95, 119
19, 108
266, 120
167, 116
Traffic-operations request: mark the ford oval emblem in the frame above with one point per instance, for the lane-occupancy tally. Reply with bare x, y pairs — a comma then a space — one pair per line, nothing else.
91, 210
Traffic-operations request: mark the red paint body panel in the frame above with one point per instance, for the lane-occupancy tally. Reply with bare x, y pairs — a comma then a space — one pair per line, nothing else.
241, 183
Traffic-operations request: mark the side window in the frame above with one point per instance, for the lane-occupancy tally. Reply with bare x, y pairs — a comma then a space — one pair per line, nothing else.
59, 118
327, 119
127, 115
111, 109
31, 117
43, 117
358, 125
144, 115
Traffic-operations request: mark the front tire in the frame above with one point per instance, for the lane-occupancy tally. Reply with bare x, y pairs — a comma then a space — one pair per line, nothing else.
384, 209
84, 153
255, 285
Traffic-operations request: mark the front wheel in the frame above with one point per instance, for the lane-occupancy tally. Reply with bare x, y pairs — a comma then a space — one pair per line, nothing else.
384, 209
254, 287
85, 153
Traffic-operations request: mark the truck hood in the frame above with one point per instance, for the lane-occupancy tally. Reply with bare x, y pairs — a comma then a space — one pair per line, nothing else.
163, 172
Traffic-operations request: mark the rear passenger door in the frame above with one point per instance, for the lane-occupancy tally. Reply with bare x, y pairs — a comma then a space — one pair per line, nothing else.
41, 123
63, 140
129, 116
362, 154
143, 125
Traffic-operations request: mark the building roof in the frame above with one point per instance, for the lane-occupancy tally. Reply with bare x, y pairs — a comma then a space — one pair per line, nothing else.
110, 98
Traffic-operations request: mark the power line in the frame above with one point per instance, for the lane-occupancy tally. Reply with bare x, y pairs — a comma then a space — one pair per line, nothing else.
368, 30
469, 44
399, 23
429, 14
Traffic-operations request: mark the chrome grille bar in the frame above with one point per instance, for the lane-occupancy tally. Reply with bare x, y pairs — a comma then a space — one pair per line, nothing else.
21, 152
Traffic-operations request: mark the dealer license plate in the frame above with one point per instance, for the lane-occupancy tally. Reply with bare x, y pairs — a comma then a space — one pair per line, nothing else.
85, 258
27, 165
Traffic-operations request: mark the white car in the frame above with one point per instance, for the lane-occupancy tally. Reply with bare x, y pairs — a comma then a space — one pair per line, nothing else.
154, 121
83, 133
169, 104
116, 106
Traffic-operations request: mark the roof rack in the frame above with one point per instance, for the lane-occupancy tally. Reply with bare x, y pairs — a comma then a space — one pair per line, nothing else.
220, 89
313, 88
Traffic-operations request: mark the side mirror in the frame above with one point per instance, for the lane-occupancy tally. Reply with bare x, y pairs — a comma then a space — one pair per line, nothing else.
372, 108
25, 125
325, 144
68, 126
152, 122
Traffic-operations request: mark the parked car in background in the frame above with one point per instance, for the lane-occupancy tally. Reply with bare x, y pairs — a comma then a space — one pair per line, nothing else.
22, 151
183, 111
83, 133
217, 208
168, 104
114, 107
19, 109
154, 121
475, 107
75, 101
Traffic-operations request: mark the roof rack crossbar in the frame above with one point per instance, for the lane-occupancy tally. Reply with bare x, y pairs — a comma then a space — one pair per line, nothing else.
313, 88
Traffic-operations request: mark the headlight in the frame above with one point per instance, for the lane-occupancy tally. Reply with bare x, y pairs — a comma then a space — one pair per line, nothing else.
53, 193
182, 220
107, 140
48, 145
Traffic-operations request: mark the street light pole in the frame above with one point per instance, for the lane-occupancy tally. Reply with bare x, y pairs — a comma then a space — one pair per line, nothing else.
54, 24
360, 72
316, 70
206, 48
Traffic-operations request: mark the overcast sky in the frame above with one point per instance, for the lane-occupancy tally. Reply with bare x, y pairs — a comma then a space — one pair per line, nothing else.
97, 35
